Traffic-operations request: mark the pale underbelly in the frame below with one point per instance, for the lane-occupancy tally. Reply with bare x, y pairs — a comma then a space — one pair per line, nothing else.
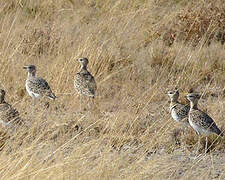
32, 94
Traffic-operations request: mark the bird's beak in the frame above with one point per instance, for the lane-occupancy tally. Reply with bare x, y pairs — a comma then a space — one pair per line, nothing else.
24, 67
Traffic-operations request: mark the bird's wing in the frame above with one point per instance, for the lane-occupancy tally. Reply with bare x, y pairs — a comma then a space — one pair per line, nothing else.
85, 81
182, 109
209, 123
39, 85
8, 113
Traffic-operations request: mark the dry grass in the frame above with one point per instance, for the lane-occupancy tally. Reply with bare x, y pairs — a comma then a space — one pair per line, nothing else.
137, 50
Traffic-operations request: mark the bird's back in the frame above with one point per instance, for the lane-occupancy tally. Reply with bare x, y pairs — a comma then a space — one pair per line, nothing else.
38, 85
8, 114
179, 112
203, 122
85, 83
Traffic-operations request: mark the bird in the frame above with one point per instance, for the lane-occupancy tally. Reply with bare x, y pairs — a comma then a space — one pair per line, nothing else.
8, 114
179, 111
37, 87
200, 121
84, 82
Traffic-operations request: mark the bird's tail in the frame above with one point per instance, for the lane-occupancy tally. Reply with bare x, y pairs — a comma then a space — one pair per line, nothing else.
222, 134
52, 96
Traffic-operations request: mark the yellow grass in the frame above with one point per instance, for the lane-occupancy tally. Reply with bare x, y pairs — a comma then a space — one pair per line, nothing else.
137, 50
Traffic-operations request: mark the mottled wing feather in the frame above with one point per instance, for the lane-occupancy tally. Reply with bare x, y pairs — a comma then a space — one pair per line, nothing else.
8, 113
182, 110
204, 120
209, 123
85, 84
39, 86
90, 80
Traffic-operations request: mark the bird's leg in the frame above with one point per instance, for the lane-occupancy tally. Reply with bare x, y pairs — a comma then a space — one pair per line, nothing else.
206, 144
90, 103
184, 130
80, 102
199, 143
93, 102
33, 104
183, 138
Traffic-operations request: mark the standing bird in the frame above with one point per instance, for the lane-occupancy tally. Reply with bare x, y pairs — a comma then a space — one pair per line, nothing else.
201, 122
84, 82
179, 112
8, 115
36, 86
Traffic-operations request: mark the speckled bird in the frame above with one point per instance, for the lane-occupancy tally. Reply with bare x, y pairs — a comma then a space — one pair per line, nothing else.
8, 115
201, 122
36, 86
84, 82
179, 111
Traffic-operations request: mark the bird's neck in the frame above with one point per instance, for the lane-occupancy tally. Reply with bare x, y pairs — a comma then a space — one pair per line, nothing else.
173, 104
173, 101
193, 105
83, 67
31, 74
2, 100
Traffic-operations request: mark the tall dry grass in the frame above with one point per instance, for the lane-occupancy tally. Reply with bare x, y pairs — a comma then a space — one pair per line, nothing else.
137, 50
